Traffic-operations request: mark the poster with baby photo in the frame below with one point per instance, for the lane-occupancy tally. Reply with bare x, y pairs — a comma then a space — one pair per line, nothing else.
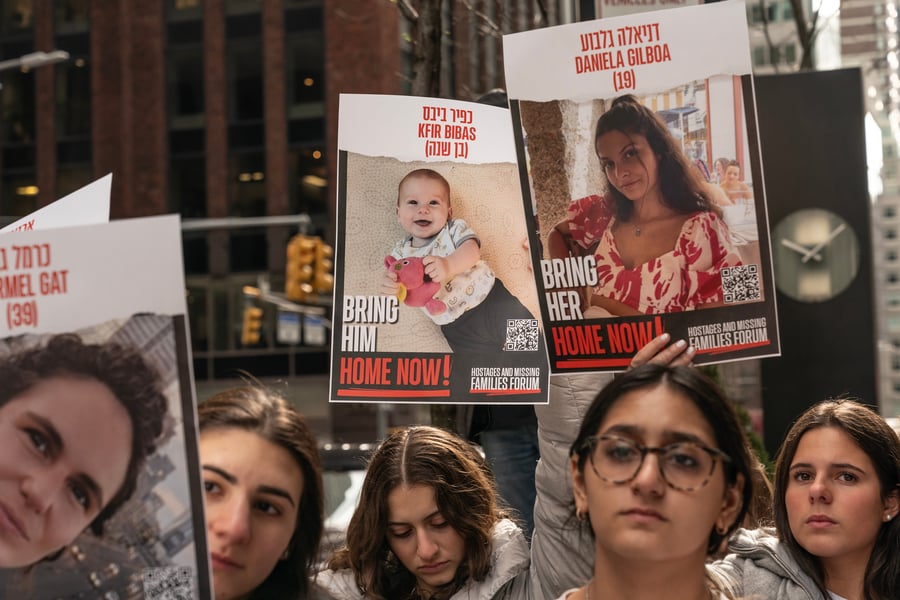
100, 492
434, 298
637, 137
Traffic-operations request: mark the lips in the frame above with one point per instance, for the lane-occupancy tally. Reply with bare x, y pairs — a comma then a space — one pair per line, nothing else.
433, 567
820, 521
645, 515
422, 223
220, 561
9, 521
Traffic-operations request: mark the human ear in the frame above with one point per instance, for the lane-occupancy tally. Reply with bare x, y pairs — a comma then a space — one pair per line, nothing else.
732, 503
579, 489
891, 505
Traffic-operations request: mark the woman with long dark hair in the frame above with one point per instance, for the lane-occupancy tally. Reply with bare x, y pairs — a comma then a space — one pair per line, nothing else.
657, 234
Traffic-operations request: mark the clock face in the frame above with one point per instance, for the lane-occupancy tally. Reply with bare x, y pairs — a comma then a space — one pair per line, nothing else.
816, 255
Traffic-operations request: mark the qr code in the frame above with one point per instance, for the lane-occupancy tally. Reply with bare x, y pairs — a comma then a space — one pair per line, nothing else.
168, 583
740, 284
522, 335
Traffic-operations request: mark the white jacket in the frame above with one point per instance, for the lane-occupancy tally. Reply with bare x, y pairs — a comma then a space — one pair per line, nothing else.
509, 559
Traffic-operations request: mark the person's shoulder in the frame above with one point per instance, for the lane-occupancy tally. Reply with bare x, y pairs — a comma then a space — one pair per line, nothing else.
337, 584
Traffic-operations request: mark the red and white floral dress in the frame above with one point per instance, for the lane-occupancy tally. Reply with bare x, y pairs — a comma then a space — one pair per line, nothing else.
681, 279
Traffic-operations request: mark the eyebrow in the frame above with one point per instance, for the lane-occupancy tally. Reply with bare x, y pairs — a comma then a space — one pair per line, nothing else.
672, 437
400, 523
830, 466
263, 489
57, 446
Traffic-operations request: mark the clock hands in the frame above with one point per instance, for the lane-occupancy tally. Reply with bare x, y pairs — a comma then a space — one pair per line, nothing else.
815, 249
799, 248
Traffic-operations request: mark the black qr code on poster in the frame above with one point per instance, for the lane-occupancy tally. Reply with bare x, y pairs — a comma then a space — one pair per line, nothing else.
168, 583
522, 335
740, 284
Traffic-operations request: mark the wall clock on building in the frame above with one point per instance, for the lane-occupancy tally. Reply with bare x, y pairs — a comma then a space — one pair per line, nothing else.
816, 255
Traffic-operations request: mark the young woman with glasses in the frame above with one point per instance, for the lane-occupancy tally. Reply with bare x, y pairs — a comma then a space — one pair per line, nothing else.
662, 475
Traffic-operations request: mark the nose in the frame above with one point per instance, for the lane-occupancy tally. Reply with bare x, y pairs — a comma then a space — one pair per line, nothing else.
649, 479
621, 172
426, 546
819, 490
41, 487
230, 520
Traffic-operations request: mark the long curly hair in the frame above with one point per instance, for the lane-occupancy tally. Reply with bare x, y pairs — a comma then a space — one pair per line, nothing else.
875, 437
465, 494
131, 379
261, 411
679, 184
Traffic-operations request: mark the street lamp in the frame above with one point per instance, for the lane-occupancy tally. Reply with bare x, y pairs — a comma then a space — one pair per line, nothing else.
34, 59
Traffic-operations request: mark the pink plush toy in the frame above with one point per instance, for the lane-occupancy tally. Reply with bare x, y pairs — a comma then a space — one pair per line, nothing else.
416, 288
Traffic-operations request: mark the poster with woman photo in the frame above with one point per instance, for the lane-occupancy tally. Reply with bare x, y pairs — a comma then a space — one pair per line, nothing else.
637, 137
100, 493
434, 298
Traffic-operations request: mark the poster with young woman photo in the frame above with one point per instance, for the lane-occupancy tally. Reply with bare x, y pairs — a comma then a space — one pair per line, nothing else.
99, 480
637, 136
434, 298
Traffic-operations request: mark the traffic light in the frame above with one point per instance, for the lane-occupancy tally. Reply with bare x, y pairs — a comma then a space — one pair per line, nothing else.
323, 280
301, 253
309, 265
250, 332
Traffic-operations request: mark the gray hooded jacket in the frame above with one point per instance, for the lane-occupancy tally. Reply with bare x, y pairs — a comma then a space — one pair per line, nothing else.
759, 567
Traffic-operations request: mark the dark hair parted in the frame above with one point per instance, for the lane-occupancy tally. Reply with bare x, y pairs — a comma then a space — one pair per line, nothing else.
465, 495
122, 369
679, 183
712, 404
424, 174
875, 437
256, 409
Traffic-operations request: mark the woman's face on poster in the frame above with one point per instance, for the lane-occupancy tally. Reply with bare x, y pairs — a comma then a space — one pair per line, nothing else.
629, 163
65, 445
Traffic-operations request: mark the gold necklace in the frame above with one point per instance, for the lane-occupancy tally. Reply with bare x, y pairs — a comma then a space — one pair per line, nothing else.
637, 233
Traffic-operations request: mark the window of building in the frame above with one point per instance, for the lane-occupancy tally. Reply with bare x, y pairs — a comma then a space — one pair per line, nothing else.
889, 212
71, 15
756, 14
306, 81
245, 80
775, 55
890, 233
308, 180
790, 53
187, 186
73, 99
246, 184
185, 87
18, 193
183, 9
16, 16
17, 107
239, 7
760, 56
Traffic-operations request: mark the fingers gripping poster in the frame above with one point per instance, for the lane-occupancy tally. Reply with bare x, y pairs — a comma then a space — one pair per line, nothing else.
435, 300
637, 139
